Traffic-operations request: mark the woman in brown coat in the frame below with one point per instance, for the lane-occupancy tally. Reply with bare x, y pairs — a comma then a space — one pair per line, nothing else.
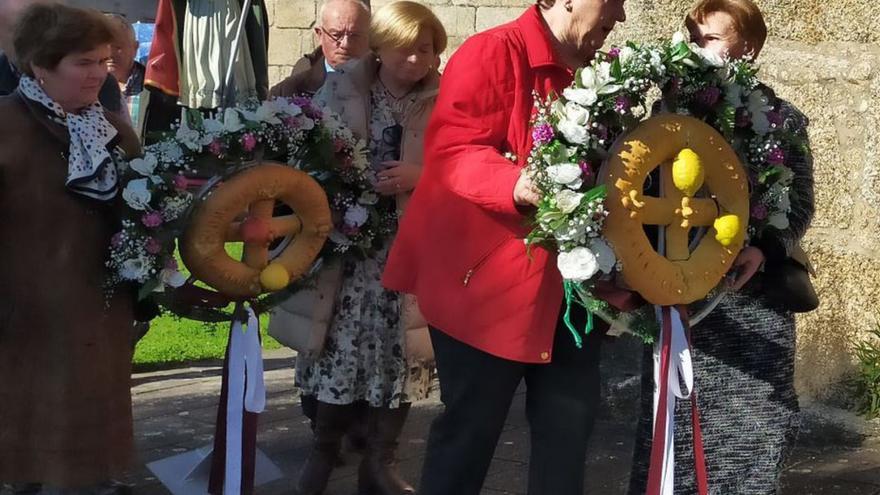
65, 342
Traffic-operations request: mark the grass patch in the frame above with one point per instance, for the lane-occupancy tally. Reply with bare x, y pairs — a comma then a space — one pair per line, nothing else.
173, 340
866, 383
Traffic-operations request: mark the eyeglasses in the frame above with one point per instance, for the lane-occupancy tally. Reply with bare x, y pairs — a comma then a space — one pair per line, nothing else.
391, 137
339, 37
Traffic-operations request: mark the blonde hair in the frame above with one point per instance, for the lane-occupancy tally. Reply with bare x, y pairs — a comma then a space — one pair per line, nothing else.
399, 24
747, 19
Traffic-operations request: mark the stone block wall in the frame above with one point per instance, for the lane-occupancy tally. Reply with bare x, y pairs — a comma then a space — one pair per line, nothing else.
822, 56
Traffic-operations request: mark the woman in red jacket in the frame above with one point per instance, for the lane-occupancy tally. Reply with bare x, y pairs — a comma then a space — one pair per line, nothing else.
493, 307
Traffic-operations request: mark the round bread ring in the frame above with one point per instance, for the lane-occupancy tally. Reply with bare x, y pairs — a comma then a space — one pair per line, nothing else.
681, 276
255, 190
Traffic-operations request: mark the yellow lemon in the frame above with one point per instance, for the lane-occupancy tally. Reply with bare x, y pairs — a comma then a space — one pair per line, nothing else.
687, 172
274, 277
727, 229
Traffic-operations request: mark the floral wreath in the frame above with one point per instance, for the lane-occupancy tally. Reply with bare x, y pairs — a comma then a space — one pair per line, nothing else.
573, 133
162, 187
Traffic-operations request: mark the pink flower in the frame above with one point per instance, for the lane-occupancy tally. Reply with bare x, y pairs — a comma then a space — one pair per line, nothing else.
759, 211
776, 157
152, 219
153, 246
622, 104
614, 52
248, 142
586, 169
171, 263
290, 122
350, 230
216, 147
338, 145
775, 118
116, 240
181, 183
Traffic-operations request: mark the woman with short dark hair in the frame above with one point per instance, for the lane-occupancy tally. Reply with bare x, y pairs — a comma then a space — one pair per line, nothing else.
65, 341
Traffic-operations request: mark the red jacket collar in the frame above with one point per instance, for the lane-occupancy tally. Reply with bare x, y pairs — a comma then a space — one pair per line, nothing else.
538, 39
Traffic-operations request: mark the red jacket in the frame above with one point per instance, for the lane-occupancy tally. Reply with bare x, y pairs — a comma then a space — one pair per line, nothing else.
460, 245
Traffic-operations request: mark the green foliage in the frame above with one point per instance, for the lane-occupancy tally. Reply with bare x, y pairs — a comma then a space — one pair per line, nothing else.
173, 340
866, 383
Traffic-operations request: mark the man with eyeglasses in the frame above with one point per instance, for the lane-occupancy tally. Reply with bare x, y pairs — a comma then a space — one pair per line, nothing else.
343, 34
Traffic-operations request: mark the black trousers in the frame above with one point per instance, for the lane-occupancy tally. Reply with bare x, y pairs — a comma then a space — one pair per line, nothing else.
562, 398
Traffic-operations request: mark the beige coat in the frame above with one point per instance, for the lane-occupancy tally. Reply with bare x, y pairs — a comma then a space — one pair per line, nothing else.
347, 93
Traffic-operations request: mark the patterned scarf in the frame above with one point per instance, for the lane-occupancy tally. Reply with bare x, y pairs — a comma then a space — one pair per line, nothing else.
91, 169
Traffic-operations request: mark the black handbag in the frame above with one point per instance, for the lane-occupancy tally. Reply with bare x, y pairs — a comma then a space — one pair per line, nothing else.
787, 283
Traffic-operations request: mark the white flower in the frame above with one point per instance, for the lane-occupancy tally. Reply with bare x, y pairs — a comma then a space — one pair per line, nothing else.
368, 198
573, 132
599, 79
285, 106
567, 200
565, 174
145, 166
581, 96
758, 107
626, 55
356, 215
709, 57
733, 94
137, 194
679, 37
306, 123
171, 278
577, 265
778, 220
190, 137
605, 257
135, 268
263, 113
657, 63
232, 120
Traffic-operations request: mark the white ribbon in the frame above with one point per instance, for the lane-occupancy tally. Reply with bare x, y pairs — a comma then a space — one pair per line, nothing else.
246, 392
680, 372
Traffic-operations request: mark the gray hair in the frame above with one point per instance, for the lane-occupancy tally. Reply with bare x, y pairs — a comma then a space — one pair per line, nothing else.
364, 4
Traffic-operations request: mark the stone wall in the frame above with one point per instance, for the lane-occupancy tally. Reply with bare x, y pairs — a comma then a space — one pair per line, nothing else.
825, 58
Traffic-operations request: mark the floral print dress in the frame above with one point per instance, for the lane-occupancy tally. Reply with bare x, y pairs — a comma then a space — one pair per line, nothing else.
364, 356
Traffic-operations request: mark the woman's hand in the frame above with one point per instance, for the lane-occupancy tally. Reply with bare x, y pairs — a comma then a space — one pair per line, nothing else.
398, 177
745, 266
524, 191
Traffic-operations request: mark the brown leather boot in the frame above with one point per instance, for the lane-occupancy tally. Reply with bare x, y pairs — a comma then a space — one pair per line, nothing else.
331, 423
378, 473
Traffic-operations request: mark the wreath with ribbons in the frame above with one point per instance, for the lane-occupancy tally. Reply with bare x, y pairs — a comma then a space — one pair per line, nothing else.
597, 148
284, 179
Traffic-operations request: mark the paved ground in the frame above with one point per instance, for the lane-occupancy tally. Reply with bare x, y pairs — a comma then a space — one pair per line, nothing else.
175, 409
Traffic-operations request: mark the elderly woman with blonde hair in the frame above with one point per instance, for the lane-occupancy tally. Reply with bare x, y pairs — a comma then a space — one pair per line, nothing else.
386, 99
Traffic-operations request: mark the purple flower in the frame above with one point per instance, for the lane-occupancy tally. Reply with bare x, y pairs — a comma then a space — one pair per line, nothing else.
708, 97
116, 240
622, 104
152, 219
171, 263
215, 147
759, 211
586, 169
153, 246
248, 142
302, 102
542, 134
290, 122
775, 118
601, 131
614, 52
776, 157
743, 119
